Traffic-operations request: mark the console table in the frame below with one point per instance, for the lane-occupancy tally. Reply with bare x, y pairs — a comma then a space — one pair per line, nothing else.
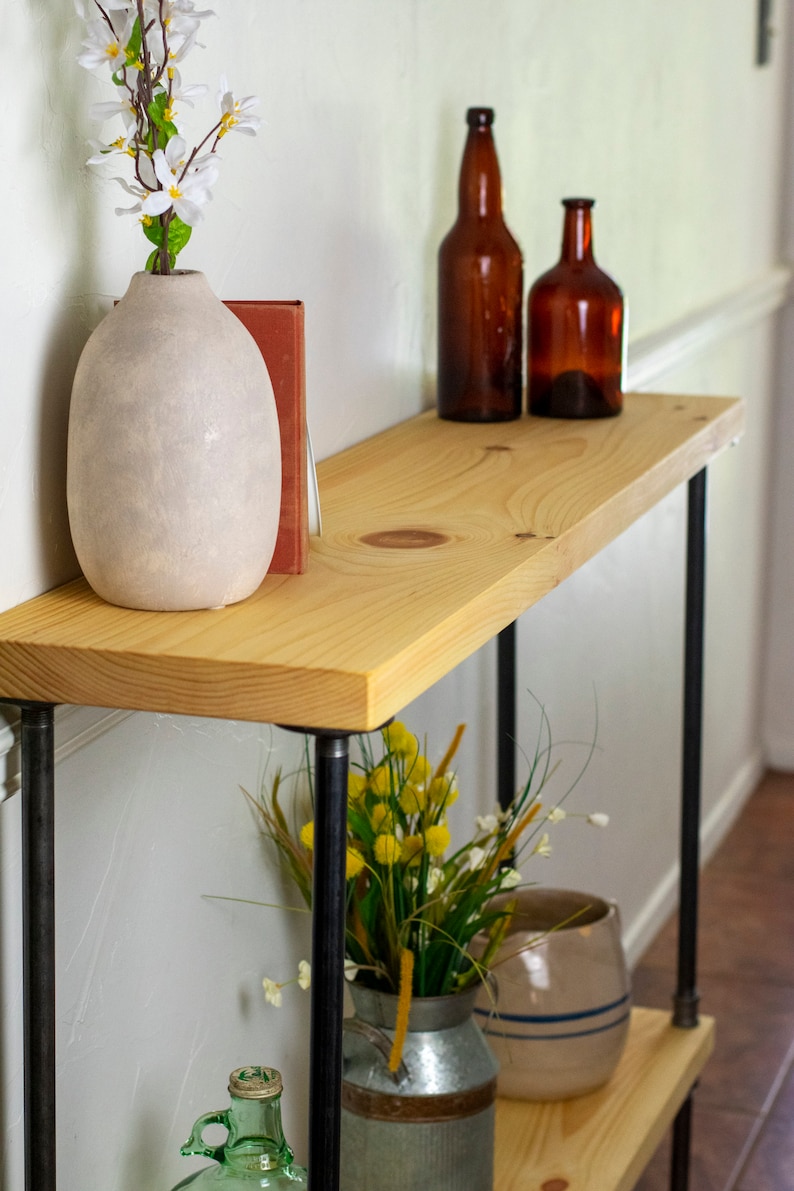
437, 536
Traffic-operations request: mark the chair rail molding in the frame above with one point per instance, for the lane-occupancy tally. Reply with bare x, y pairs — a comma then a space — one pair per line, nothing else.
653, 356
75, 727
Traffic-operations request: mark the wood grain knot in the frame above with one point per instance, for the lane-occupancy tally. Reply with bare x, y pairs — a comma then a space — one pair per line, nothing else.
498, 448
404, 539
527, 534
555, 1185
701, 418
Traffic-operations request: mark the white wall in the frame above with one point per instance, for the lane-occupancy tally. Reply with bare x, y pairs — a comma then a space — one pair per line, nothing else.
659, 111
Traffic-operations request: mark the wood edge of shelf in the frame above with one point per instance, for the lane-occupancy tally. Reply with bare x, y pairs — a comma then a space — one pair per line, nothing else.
633, 1111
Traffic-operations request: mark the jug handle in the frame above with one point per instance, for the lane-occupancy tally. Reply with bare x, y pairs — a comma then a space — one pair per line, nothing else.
381, 1042
195, 1143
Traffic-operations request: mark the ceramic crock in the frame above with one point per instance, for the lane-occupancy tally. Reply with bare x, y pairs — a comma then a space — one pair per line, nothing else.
431, 1123
174, 457
557, 1013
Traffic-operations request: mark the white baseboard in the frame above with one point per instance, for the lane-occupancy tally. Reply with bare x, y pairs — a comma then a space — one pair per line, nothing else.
779, 753
715, 826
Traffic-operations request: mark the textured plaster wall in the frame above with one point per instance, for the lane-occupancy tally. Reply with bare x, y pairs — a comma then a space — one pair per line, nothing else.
656, 109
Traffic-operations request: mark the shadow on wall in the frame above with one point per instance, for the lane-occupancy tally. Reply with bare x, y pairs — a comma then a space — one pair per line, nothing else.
61, 123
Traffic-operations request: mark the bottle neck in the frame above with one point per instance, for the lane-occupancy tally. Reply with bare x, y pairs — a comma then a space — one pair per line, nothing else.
256, 1137
577, 232
480, 185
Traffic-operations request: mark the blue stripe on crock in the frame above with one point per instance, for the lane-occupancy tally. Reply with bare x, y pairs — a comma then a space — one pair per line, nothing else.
553, 1017
496, 1033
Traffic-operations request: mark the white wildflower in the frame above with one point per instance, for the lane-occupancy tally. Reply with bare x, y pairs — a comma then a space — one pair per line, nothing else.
598, 819
475, 857
487, 823
434, 878
351, 970
542, 847
509, 878
272, 992
304, 974
556, 815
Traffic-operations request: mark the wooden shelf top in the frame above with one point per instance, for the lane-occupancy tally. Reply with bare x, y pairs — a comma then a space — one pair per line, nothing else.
603, 1141
436, 535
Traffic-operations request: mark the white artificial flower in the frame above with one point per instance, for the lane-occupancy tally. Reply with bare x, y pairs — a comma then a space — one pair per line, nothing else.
137, 193
185, 93
556, 815
543, 847
102, 46
509, 878
236, 114
598, 819
304, 974
106, 111
187, 192
487, 823
123, 146
272, 992
476, 857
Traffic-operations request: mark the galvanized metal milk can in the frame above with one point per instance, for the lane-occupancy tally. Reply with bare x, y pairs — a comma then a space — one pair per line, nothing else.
430, 1123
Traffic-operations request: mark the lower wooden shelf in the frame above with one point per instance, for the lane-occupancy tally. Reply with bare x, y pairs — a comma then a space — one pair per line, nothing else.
604, 1140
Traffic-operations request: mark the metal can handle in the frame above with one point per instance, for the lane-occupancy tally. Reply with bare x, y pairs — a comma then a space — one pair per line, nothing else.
381, 1042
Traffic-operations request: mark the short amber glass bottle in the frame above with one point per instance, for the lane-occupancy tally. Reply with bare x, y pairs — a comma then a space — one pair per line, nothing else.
480, 294
575, 329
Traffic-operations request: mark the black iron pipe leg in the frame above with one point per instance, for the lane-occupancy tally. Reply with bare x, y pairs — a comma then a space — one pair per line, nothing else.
328, 949
506, 715
38, 926
682, 1146
686, 999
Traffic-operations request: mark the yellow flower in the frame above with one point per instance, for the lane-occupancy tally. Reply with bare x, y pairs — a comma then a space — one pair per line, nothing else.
356, 785
353, 863
444, 790
437, 839
387, 850
412, 799
378, 814
380, 781
400, 741
420, 771
307, 835
412, 849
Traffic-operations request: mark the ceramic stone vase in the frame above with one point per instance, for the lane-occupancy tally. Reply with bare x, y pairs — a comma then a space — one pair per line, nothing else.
429, 1124
557, 1016
174, 458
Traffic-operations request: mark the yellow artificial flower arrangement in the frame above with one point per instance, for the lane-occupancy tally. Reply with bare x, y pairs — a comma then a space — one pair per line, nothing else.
413, 907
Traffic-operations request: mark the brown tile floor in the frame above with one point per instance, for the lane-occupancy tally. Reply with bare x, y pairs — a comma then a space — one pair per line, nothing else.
743, 1120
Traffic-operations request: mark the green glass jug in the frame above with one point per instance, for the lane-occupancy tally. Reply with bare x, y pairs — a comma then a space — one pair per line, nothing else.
255, 1153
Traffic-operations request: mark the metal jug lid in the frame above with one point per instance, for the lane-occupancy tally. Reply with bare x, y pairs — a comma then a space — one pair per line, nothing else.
255, 1083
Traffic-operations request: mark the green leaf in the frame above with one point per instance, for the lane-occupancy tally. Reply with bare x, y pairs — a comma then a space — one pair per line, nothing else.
157, 109
153, 232
133, 47
178, 235
151, 260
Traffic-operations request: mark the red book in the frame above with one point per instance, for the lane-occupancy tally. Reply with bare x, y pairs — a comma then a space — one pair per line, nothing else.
277, 328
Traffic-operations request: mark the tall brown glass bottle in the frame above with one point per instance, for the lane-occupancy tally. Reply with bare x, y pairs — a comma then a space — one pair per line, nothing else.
480, 280
575, 330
